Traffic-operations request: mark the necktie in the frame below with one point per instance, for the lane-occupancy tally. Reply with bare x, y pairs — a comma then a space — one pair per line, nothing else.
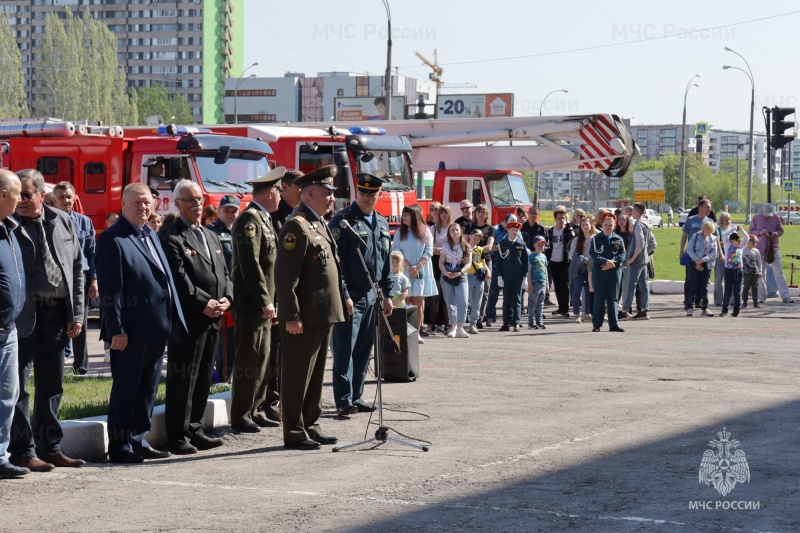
50, 266
202, 238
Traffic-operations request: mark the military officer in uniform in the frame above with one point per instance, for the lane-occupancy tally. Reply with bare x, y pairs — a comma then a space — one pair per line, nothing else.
308, 278
353, 339
228, 211
607, 250
254, 253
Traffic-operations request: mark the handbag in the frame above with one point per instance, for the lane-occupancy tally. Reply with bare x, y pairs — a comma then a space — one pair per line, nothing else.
452, 281
686, 260
769, 253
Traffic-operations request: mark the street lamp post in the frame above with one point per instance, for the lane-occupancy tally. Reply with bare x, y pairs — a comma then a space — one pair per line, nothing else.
388, 77
749, 74
541, 105
548, 95
683, 140
236, 92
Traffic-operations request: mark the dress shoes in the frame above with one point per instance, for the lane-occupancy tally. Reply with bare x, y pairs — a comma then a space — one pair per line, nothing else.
364, 408
9, 471
246, 426
148, 452
346, 410
619, 330
305, 444
265, 422
181, 447
324, 439
34, 464
504, 327
62, 461
125, 458
204, 442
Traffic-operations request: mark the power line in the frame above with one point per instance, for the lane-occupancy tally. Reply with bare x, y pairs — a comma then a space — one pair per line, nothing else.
611, 45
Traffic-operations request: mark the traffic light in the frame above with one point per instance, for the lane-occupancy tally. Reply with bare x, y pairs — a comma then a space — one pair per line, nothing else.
780, 125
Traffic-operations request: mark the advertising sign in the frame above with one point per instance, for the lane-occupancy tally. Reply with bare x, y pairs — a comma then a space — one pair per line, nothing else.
475, 105
368, 108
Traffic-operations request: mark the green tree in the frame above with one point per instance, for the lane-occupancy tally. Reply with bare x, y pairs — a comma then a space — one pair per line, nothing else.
12, 83
156, 100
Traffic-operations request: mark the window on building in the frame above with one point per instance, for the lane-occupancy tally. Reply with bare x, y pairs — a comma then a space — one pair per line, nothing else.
362, 86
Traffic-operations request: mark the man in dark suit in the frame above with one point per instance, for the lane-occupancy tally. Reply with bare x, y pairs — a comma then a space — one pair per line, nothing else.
254, 243
137, 302
204, 289
53, 312
311, 299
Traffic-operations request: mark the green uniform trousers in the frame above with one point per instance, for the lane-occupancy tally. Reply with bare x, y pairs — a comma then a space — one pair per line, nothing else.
249, 376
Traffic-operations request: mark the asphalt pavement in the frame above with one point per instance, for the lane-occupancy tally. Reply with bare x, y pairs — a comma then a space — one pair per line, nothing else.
555, 430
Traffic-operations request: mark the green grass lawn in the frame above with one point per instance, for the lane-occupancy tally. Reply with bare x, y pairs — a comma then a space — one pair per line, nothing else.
669, 241
86, 396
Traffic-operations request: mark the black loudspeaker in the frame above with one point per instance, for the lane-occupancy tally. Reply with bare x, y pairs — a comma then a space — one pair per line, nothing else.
403, 366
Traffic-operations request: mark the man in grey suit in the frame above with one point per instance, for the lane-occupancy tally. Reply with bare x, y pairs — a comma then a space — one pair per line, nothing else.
53, 311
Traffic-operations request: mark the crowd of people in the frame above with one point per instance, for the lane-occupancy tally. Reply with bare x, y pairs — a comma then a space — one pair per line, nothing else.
232, 291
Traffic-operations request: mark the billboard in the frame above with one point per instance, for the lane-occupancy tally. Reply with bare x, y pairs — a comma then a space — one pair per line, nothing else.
475, 105
369, 108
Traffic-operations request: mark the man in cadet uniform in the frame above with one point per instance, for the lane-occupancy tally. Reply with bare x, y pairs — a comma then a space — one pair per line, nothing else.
308, 277
254, 245
353, 339
228, 211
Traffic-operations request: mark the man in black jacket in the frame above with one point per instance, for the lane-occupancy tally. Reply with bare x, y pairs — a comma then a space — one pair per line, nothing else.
560, 237
204, 289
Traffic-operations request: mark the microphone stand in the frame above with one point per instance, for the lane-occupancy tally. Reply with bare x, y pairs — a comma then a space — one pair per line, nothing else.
382, 433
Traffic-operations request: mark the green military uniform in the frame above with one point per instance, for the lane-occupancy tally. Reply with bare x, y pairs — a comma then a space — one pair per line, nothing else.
254, 255
308, 278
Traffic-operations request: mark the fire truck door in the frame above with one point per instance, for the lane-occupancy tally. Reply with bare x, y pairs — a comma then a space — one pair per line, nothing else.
458, 189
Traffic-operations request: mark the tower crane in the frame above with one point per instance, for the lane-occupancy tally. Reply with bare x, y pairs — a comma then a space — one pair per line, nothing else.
436, 75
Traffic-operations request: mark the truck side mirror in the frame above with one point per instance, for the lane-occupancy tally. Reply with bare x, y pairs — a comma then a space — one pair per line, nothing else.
223, 154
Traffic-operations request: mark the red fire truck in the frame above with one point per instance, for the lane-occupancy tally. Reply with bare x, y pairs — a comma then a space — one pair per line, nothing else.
99, 162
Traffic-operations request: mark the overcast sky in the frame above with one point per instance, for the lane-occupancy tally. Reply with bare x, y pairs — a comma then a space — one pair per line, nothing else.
610, 55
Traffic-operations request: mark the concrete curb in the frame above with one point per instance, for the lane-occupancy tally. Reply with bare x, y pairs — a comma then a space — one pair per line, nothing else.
665, 286
87, 438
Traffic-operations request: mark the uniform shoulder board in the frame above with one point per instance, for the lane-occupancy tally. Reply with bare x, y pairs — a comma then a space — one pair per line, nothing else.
299, 216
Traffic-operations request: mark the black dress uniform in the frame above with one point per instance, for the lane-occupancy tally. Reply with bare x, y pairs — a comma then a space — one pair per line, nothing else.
254, 255
512, 265
606, 282
353, 339
308, 279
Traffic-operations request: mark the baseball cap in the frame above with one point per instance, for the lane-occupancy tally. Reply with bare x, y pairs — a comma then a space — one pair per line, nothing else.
511, 217
767, 210
538, 238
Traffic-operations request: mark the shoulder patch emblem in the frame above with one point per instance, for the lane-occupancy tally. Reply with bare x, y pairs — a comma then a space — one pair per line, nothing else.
289, 241
249, 230
336, 232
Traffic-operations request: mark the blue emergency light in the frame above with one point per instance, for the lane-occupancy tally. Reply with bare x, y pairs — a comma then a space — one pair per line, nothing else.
366, 130
172, 129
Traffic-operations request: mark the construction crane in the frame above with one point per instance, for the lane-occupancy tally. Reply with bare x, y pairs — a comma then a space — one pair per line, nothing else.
436, 75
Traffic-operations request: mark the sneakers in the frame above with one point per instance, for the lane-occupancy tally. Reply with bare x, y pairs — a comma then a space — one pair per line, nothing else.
472, 329
624, 315
744, 305
735, 314
689, 312
451, 333
533, 326
723, 314
578, 318
461, 334
788, 301
515, 328
421, 341
479, 324
706, 312
641, 315
504, 327
757, 306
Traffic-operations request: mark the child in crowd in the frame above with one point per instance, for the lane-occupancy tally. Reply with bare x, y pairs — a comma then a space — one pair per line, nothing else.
733, 274
537, 283
400, 283
752, 270
511, 271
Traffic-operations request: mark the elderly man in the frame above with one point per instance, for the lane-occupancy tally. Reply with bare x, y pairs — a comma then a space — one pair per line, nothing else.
353, 339
138, 300
53, 312
308, 277
64, 194
769, 229
254, 251
204, 290
12, 298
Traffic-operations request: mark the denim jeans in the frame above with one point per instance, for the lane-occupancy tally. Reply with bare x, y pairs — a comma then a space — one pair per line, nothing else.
536, 304
719, 277
637, 275
698, 286
475, 292
580, 293
9, 386
491, 304
455, 297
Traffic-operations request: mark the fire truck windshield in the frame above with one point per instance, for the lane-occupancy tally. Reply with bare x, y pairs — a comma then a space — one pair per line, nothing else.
507, 189
231, 175
386, 164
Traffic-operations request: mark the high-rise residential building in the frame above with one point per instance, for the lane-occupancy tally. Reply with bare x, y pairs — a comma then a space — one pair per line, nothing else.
297, 98
734, 144
656, 140
190, 47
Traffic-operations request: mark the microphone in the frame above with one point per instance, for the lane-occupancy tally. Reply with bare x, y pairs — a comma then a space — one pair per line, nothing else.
345, 225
